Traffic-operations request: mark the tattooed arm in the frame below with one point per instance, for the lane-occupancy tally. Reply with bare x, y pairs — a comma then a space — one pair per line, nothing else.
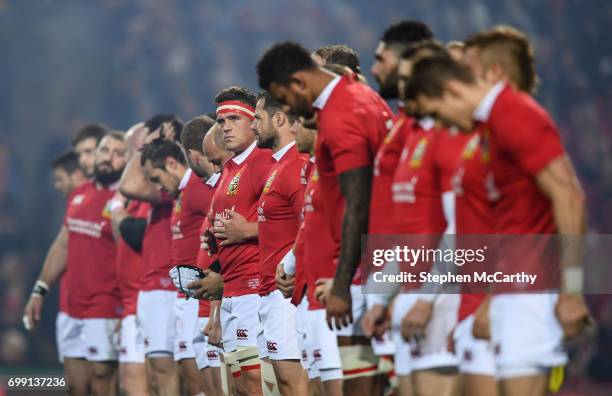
356, 186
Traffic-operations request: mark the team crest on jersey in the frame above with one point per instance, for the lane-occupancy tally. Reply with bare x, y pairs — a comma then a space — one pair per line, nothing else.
269, 182
315, 175
106, 212
178, 206
419, 152
470, 147
232, 189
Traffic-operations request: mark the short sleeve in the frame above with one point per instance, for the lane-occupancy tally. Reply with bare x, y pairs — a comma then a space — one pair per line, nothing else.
200, 198
347, 142
292, 185
527, 134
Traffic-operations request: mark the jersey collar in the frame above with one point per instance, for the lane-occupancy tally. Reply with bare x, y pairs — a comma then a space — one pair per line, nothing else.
323, 97
185, 179
239, 159
281, 153
212, 180
426, 123
483, 110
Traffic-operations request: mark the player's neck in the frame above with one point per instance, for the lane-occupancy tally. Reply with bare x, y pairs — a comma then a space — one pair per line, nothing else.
320, 80
283, 140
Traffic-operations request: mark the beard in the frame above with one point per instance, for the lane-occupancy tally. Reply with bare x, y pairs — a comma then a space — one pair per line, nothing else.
388, 88
107, 178
269, 140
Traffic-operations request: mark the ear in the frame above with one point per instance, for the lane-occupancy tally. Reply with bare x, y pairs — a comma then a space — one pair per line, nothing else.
495, 73
170, 163
279, 119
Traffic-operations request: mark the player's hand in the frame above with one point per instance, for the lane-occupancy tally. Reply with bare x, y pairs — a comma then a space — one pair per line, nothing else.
233, 230
285, 283
375, 321
209, 287
482, 326
573, 314
214, 336
338, 308
323, 288
416, 320
31, 313
208, 328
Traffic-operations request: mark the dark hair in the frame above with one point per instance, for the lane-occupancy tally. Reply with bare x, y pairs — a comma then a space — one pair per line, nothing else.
514, 52
240, 94
194, 131
117, 135
431, 72
271, 106
280, 62
404, 33
425, 48
153, 123
95, 131
158, 150
68, 161
340, 54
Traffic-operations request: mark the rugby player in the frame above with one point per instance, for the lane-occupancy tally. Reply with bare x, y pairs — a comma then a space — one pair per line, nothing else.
67, 176
278, 215
539, 194
346, 144
155, 307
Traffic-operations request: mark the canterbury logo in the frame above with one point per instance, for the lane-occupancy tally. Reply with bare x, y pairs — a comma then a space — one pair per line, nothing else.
316, 354
242, 333
212, 355
272, 346
183, 346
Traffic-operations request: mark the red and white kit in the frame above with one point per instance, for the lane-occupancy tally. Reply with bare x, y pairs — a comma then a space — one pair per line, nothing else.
278, 216
524, 140
155, 311
129, 270
90, 264
424, 174
241, 184
188, 213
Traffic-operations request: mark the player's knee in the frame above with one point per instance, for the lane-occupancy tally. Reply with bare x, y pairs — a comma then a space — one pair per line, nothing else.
162, 366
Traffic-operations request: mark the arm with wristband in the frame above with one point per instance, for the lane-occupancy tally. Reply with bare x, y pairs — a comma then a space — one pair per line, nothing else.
53, 267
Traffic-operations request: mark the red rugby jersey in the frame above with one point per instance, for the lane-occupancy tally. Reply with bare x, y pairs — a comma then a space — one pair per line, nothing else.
204, 260
428, 161
524, 140
64, 284
475, 192
91, 255
278, 212
188, 213
157, 249
385, 164
352, 123
241, 184
129, 264
319, 250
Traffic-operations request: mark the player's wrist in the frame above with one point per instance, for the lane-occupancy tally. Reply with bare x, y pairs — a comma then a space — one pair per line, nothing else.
40, 289
572, 280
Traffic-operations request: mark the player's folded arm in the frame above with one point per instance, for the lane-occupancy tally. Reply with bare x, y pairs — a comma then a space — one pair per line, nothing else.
132, 232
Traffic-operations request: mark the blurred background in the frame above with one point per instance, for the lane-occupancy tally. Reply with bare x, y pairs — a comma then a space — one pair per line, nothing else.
69, 62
